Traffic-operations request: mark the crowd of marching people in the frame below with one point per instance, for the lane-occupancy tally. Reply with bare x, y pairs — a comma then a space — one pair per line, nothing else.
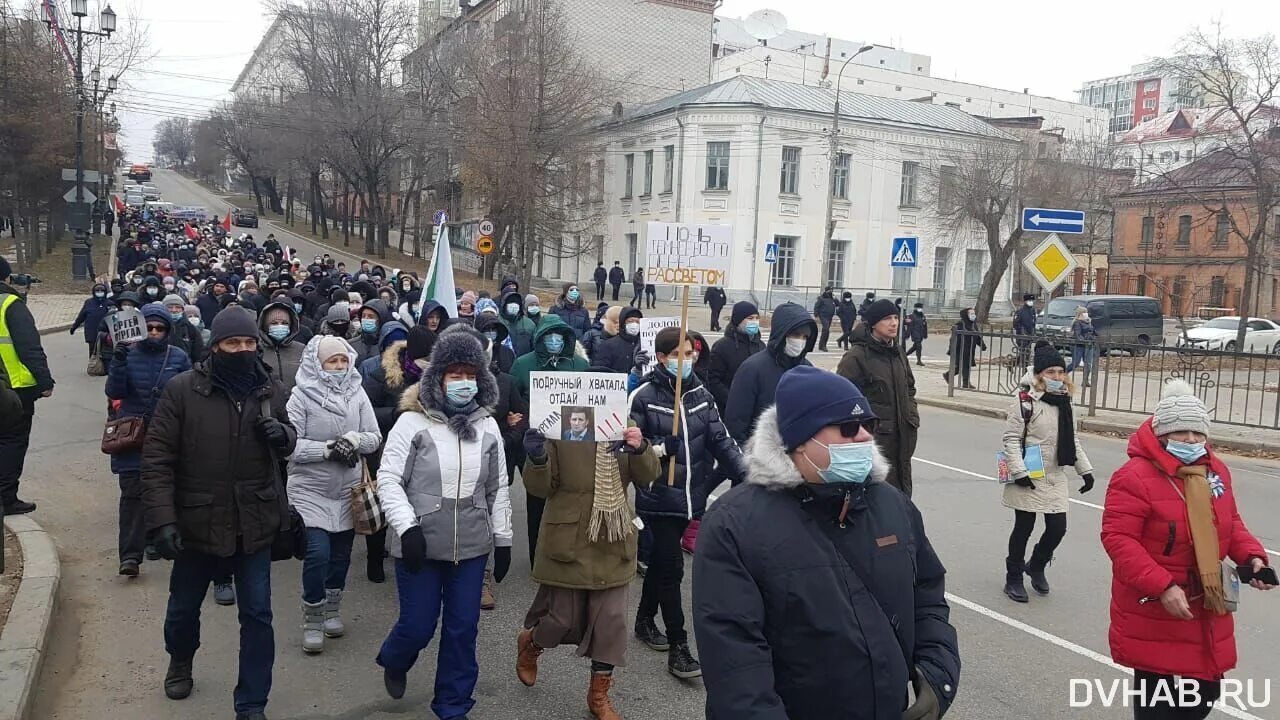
276, 407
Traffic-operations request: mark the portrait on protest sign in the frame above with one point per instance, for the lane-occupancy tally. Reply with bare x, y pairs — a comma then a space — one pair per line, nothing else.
577, 423
578, 406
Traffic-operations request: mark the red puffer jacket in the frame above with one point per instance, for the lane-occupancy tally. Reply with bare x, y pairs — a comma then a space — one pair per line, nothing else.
1145, 530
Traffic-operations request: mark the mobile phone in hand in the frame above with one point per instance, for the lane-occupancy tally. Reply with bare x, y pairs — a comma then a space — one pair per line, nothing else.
1267, 575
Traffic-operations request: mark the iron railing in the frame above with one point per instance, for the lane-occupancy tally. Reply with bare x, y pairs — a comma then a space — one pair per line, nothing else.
1237, 388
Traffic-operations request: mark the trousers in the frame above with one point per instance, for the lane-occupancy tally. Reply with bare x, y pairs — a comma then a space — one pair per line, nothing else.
133, 531
661, 590
1055, 528
325, 565
15, 439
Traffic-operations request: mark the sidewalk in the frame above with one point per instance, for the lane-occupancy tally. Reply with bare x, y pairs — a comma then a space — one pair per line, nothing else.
54, 313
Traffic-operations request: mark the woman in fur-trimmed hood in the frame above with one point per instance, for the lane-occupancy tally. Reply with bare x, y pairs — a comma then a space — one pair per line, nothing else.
443, 485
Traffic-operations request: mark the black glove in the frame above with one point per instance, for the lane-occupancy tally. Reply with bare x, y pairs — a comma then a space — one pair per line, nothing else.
926, 705
1088, 483
640, 360
344, 452
120, 351
167, 541
670, 445
73, 331
501, 562
272, 431
1024, 481
535, 444
413, 548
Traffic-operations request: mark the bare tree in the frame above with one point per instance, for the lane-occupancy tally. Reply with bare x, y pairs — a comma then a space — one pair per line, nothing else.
247, 133
174, 138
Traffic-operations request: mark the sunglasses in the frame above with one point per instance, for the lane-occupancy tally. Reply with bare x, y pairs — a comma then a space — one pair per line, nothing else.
156, 328
850, 429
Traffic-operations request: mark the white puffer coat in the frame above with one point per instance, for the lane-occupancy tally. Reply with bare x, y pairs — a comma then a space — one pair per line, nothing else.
1051, 492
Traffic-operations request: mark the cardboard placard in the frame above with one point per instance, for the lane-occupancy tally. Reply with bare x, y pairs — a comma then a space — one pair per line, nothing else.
578, 406
649, 328
126, 326
687, 253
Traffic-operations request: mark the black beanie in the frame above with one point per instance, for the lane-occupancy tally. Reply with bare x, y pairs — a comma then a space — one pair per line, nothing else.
878, 311
232, 322
5, 270
1028, 296
741, 311
420, 342
1047, 356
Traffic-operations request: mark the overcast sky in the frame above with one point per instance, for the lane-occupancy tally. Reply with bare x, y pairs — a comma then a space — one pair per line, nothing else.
1051, 48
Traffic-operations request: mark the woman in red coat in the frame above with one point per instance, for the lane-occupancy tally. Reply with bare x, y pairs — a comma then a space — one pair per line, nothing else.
1170, 519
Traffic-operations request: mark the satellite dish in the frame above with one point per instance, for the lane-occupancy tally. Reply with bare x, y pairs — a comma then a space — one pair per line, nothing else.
764, 25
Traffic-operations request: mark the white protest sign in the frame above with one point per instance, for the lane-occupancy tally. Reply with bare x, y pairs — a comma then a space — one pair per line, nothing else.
649, 328
687, 253
126, 326
578, 406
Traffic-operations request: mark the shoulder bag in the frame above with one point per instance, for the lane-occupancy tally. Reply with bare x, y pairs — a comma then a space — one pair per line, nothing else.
291, 539
127, 434
366, 508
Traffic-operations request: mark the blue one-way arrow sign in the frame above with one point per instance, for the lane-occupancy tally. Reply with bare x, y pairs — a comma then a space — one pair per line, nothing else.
1070, 222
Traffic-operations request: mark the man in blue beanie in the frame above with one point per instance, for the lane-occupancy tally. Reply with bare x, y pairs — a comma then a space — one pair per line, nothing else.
816, 524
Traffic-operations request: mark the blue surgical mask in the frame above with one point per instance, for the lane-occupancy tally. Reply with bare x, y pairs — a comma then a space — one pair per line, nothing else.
574, 295
492, 335
336, 374
176, 316
850, 462
554, 343
368, 326
1185, 451
513, 308
460, 392
278, 332
297, 307
751, 327
1054, 386
533, 309
673, 364
99, 294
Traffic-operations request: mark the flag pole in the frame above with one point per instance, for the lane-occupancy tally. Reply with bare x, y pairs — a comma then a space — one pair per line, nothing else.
675, 420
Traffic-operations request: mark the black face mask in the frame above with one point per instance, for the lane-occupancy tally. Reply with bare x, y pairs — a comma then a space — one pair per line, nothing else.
340, 329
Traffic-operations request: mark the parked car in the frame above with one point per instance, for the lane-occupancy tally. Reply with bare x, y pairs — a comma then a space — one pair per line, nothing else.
244, 218
1119, 320
1260, 335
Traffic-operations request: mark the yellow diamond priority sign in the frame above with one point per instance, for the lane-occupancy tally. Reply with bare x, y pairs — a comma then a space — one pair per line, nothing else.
1050, 263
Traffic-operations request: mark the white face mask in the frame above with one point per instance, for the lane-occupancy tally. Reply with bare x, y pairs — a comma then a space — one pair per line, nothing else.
1031, 303
973, 317
795, 346
633, 328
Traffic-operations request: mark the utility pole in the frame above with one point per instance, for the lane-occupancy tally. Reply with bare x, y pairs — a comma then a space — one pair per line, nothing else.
833, 156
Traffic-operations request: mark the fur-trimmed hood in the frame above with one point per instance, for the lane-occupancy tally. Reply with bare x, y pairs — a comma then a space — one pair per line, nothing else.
769, 466
392, 369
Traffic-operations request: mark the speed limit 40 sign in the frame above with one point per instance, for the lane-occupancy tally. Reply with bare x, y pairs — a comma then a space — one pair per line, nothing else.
486, 227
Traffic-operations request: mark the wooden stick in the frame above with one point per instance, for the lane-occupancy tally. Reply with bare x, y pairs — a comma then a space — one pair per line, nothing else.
675, 421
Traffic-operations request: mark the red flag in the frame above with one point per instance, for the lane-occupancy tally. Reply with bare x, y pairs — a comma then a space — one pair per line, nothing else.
191, 232
226, 224
119, 204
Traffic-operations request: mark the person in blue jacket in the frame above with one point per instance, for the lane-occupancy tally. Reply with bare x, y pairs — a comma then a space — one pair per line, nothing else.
136, 377
792, 337
95, 308
816, 592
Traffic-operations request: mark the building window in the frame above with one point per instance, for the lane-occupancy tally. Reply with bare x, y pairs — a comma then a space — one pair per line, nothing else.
973, 261
1041, 147
1184, 232
717, 166
941, 258
947, 182
1149, 104
633, 251
840, 184
1217, 291
629, 174
648, 173
598, 241
790, 171
598, 195
1221, 229
782, 272
1175, 297
1148, 231
910, 171
835, 263
669, 167
1142, 285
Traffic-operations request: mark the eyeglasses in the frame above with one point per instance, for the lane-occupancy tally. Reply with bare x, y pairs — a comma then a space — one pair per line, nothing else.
850, 429
157, 328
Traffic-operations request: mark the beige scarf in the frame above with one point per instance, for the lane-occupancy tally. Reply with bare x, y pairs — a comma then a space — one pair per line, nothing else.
609, 509
1204, 536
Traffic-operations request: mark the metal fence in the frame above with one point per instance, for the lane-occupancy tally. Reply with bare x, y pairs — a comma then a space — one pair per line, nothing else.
1238, 388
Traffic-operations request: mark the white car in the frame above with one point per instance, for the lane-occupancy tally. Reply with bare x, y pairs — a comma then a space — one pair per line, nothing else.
1261, 336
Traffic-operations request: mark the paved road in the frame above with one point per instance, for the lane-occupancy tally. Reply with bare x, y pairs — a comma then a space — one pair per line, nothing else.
106, 650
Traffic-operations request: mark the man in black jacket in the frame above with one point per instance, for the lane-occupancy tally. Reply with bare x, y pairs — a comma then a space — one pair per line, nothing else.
715, 297
24, 370
616, 277
600, 276
740, 341
1024, 326
618, 353
791, 339
825, 311
816, 592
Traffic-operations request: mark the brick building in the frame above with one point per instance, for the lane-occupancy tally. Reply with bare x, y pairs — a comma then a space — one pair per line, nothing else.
1180, 239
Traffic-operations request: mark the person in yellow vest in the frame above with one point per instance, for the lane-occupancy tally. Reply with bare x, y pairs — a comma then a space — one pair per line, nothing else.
24, 370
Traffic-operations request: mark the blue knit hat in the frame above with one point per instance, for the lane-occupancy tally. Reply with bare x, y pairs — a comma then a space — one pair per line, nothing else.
809, 399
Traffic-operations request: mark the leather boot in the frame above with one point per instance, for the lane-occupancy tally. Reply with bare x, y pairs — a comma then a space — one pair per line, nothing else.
177, 680
598, 702
487, 600
1035, 570
1013, 586
527, 658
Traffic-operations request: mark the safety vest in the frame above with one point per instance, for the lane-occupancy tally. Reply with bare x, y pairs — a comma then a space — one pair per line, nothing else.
19, 375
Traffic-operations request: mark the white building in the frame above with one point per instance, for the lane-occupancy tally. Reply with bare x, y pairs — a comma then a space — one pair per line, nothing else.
753, 153
807, 68
1147, 91
1164, 143
731, 36
266, 76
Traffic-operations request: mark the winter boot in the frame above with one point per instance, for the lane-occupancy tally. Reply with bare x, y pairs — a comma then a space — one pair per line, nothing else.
129, 568
374, 569
152, 553
527, 658
312, 627
598, 702
1013, 586
177, 679
333, 626
1035, 571
681, 663
487, 600
224, 594
648, 633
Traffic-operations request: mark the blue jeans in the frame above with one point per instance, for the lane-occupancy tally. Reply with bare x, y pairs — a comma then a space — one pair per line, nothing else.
1085, 355
326, 563
456, 590
189, 582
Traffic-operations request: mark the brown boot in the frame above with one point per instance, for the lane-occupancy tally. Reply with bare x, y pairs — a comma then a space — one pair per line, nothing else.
598, 702
487, 600
527, 658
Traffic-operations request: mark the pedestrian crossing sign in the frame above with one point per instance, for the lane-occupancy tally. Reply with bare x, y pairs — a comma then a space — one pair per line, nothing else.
771, 253
904, 252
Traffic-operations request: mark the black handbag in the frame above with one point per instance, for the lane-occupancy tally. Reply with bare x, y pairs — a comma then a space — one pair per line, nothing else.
290, 542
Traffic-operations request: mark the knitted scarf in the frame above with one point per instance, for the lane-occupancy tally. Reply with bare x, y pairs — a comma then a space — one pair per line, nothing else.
1204, 535
610, 512
1066, 428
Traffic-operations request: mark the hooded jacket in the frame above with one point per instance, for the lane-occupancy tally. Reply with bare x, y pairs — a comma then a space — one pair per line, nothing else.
137, 380
322, 409
727, 355
91, 314
539, 360
967, 345
446, 473
519, 327
1146, 534
369, 345
788, 629
618, 352
501, 351
574, 314
757, 378
825, 307
284, 357
431, 307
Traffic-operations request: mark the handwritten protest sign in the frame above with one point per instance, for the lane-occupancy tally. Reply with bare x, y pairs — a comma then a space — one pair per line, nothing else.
687, 253
126, 326
578, 406
649, 328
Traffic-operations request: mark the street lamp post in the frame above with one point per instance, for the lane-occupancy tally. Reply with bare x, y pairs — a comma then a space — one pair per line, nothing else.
833, 158
80, 264
99, 99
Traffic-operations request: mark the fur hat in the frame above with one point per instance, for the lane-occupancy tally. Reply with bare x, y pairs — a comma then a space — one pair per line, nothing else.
1179, 409
458, 345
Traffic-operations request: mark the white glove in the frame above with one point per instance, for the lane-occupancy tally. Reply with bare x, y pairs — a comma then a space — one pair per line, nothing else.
352, 437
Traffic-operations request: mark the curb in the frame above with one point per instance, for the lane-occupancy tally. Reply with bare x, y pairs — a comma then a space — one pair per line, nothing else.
22, 642
958, 406
54, 329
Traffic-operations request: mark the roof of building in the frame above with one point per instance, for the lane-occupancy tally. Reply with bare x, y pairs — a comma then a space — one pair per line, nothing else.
774, 94
1220, 171
1194, 122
